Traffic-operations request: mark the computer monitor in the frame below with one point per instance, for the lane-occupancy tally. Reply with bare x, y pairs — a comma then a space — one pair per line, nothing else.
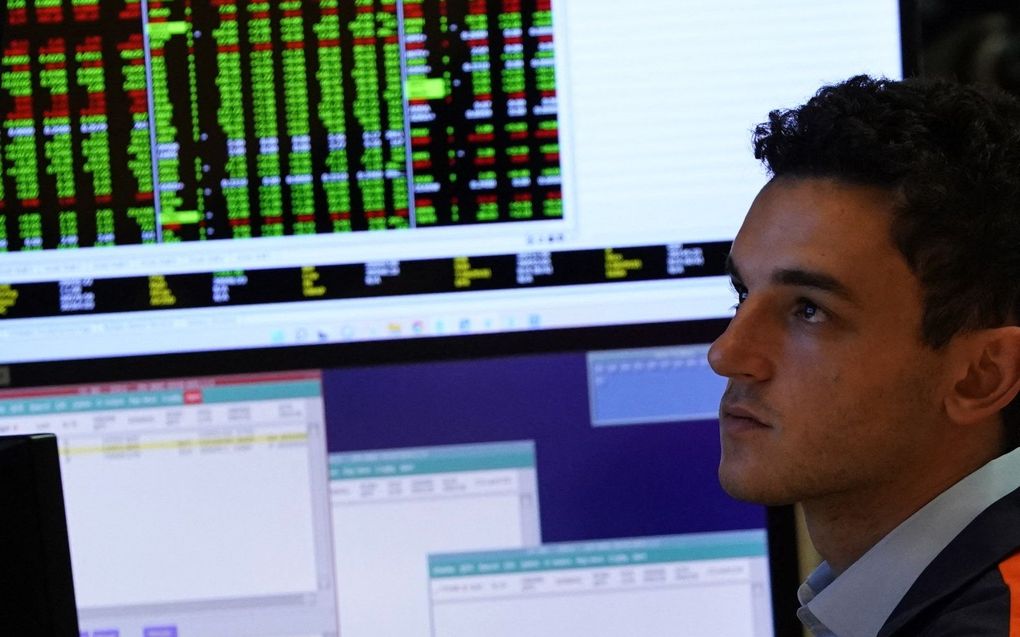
36, 586
510, 493
212, 175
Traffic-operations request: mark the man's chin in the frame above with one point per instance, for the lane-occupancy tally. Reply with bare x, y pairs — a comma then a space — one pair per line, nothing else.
748, 487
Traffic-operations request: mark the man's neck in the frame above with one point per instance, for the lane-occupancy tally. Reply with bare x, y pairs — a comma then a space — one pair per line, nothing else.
841, 535
843, 527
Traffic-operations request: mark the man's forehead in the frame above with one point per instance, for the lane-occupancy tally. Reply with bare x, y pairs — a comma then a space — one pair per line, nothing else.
820, 231
820, 214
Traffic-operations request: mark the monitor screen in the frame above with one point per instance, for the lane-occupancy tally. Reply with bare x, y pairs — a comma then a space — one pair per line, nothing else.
194, 176
553, 493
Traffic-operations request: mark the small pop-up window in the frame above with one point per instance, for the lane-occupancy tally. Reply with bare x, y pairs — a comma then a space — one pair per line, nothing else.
702, 585
392, 508
652, 385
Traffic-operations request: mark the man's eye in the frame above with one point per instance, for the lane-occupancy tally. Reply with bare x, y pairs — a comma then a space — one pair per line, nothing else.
810, 311
741, 293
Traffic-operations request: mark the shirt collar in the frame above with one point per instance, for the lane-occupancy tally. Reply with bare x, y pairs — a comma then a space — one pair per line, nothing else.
859, 601
816, 582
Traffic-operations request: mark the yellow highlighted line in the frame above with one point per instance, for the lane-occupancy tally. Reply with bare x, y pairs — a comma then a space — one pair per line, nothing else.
225, 441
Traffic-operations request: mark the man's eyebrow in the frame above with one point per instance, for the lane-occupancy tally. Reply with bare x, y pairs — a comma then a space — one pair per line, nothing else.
811, 279
800, 278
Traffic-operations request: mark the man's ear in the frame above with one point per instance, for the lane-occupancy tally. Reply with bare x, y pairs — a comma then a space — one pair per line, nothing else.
987, 377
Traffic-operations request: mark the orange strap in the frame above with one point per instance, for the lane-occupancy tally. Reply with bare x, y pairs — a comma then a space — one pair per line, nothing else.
1010, 570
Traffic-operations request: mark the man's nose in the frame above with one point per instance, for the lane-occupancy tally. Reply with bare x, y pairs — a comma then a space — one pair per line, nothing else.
742, 351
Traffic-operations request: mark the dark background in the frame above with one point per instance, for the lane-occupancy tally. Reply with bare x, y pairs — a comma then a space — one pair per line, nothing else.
974, 41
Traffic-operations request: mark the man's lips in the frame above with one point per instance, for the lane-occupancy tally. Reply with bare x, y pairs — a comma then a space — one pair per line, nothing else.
738, 417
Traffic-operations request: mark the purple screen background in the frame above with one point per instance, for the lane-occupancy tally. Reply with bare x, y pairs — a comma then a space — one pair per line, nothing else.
594, 482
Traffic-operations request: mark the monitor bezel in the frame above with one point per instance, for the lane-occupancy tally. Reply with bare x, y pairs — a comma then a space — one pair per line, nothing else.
36, 581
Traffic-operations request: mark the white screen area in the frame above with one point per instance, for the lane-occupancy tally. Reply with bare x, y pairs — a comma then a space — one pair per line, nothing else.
414, 502
655, 102
607, 589
198, 505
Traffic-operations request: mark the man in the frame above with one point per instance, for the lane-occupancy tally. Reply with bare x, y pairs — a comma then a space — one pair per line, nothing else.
874, 356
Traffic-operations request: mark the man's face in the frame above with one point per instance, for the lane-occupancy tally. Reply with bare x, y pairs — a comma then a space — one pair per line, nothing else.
831, 391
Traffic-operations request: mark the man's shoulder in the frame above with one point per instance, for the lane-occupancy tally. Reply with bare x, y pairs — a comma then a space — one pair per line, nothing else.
967, 588
980, 608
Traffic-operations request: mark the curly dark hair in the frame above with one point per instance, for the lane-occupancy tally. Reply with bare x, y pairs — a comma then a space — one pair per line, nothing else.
950, 156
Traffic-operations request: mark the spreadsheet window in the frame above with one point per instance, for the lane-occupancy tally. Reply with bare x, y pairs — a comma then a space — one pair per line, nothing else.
391, 508
193, 505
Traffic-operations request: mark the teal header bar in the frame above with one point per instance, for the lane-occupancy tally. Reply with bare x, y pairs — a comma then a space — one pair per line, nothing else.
556, 557
64, 404
96, 402
422, 460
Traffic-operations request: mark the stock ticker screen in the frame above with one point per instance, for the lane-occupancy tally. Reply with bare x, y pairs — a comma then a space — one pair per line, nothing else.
229, 119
